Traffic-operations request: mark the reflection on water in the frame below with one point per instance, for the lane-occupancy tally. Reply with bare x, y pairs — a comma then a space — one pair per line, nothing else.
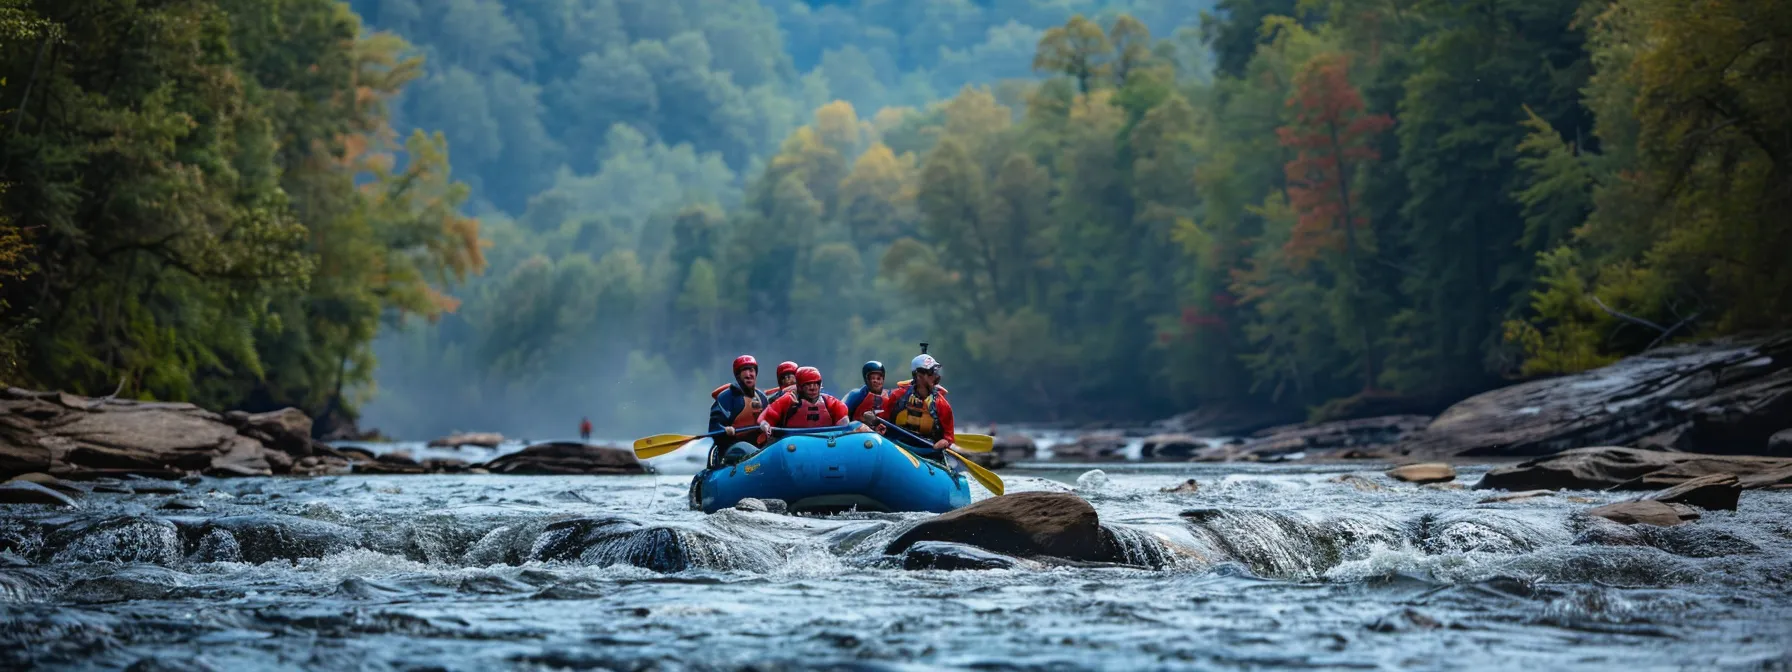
1265, 566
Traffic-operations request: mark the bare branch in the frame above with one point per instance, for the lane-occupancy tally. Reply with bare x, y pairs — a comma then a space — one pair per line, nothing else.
1627, 318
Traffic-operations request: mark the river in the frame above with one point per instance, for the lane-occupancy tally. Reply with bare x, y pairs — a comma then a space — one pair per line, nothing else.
1280, 565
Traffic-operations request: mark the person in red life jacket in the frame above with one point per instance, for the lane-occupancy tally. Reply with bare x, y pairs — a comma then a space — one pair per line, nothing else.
807, 407
919, 406
786, 381
870, 398
585, 430
737, 407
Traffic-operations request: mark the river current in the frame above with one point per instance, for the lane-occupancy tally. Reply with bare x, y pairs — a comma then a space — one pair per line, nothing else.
1265, 566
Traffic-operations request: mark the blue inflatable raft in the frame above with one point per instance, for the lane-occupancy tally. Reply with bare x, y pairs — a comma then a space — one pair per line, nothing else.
832, 472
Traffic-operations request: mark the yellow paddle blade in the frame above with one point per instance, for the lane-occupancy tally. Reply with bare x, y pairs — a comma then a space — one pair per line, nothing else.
660, 444
987, 478
975, 443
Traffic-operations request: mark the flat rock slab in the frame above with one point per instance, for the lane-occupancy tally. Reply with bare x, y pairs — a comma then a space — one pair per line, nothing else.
1646, 512
1633, 469
1728, 395
567, 457
1713, 492
1430, 472
70, 436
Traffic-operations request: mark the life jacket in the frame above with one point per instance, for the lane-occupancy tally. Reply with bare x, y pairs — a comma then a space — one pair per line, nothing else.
916, 415
774, 394
803, 413
857, 408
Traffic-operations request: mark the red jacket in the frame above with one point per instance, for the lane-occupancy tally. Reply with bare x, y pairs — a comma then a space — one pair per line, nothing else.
930, 418
789, 412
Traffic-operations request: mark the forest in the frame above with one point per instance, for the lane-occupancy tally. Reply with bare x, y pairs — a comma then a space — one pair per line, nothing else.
1093, 210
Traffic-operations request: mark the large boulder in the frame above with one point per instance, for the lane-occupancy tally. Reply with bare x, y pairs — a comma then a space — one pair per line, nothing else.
1336, 436
1025, 524
567, 457
1633, 469
1725, 396
72, 436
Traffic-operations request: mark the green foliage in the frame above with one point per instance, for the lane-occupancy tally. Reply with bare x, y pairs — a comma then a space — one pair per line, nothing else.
188, 177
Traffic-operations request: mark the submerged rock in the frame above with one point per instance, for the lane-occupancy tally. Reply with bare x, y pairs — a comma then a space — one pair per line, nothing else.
1780, 443
1430, 472
604, 541
26, 492
1647, 512
266, 537
1633, 469
1187, 487
567, 457
1093, 479
1024, 524
954, 556
1721, 396
51, 482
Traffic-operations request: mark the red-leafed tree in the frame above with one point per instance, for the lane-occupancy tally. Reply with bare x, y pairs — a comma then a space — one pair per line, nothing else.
1333, 135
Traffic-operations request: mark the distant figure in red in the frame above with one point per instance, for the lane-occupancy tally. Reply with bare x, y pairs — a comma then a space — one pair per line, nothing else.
585, 430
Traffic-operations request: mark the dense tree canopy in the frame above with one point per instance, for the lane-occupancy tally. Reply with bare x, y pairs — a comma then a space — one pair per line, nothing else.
1091, 209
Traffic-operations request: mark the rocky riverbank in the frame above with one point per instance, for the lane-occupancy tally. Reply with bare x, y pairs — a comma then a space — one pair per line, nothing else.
75, 438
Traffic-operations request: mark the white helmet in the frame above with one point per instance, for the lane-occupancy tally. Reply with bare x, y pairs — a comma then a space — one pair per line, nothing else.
924, 363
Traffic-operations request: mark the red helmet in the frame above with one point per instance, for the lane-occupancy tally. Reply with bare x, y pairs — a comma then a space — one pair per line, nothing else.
808, 374
786, 368
744, 361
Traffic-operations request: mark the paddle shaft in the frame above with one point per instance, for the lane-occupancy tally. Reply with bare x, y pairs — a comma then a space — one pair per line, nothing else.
984, 476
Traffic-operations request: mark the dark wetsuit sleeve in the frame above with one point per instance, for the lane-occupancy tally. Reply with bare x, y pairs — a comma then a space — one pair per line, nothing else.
853, 398
719, 416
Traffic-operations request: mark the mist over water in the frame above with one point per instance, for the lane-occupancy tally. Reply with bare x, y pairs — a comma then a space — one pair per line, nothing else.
1267, 565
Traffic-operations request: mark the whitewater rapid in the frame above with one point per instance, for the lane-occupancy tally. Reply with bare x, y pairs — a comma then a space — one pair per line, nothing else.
1263, 566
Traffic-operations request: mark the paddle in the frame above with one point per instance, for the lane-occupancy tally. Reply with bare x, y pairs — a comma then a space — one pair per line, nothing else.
987, 478
660, 444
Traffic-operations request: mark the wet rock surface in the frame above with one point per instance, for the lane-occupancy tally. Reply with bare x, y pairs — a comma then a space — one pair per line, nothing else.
1645, 512
71, 436
1327, 438
1713, 492
1022, 524
566, 457
1633, 469
1725, 396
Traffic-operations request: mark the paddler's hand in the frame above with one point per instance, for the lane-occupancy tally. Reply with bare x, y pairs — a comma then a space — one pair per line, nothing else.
941, 445
869, 418
729, 429
765, 429
862, 429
